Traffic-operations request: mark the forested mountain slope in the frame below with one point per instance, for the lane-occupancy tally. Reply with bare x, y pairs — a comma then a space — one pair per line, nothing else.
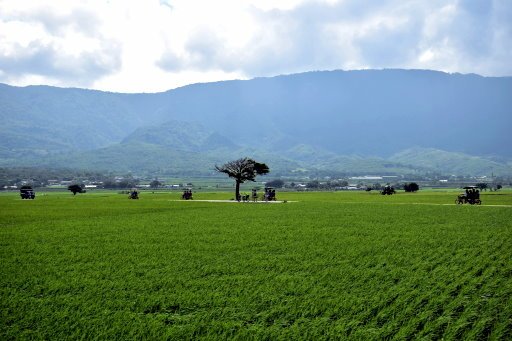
317, 119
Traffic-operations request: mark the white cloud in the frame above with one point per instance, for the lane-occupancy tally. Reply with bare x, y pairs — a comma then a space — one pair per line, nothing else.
155, 45
54, 44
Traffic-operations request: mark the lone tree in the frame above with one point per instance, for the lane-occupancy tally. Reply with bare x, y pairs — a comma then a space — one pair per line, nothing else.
242, 170
155, 184
496, 187
482, 185
76, 189
411, 187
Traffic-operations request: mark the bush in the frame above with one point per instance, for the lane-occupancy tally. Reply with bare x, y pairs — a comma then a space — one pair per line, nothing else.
411, 187
277, 183
76, 189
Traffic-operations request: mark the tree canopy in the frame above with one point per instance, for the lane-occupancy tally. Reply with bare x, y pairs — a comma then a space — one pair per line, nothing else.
482, 185
155, 184
277, 183
242, 170
411, 187
76, 189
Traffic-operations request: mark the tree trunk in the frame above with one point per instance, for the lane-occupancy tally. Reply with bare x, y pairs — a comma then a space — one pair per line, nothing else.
237, 190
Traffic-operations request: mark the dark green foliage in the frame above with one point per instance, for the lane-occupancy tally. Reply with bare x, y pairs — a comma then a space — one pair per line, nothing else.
277, 183
155, 184
411, 187
125, 183
313, 184
497, 187
242, 170
76, 188
481, 185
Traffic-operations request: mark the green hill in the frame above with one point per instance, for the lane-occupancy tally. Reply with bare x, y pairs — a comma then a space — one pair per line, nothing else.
183, 136
451, 163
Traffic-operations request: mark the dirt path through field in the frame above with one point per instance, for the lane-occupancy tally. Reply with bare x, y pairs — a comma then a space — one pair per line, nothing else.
239, 202
424, 203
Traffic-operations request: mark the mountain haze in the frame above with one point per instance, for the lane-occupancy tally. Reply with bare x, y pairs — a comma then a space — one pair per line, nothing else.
314, 120
180, 136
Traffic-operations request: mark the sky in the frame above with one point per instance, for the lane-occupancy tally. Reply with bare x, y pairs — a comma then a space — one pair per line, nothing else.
156, 45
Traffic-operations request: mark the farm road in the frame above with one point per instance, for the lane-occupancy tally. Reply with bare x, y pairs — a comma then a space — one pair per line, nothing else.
353, 202
424, 203
234, 201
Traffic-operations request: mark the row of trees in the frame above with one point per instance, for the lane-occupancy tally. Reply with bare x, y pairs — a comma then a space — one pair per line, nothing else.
492, 187
241, 170
247, 169
333, 184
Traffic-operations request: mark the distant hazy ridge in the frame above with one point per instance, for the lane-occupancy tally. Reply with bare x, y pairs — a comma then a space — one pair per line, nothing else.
389, 120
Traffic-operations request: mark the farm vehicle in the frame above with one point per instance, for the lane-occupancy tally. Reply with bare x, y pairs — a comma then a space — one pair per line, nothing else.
470, 196
387, 190
27, 192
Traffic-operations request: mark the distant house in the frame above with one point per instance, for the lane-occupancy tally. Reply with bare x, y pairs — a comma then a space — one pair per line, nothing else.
366, 177
348, 188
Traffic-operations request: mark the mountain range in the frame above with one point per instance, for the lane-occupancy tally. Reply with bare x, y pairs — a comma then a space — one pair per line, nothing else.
364, 122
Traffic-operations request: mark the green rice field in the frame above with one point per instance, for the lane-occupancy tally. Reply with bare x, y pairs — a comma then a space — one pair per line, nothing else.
322, 266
